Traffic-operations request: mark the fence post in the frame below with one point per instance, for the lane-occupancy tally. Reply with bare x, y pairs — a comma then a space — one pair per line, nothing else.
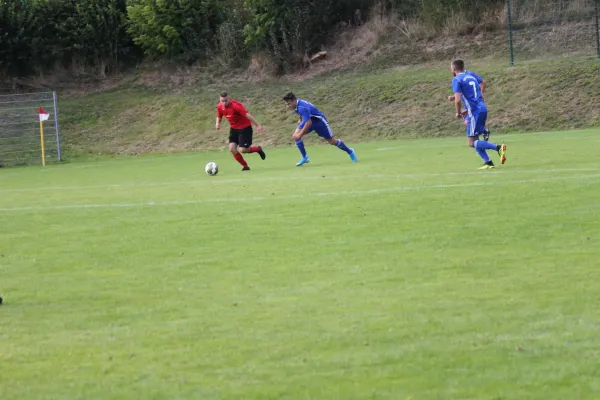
56, 126
597, 28
510, 38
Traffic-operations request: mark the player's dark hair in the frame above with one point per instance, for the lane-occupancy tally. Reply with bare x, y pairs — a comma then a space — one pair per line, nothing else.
224, 94
289, 96
458, 65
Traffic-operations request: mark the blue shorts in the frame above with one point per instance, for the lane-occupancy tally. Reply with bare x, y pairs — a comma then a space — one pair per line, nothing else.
476, 123
321, 126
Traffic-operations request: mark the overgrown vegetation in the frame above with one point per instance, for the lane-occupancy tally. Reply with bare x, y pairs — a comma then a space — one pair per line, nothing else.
49, 38
41, 36
393, 103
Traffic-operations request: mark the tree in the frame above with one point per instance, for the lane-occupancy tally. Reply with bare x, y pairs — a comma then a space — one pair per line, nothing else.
175, 28
39, 35
16, 18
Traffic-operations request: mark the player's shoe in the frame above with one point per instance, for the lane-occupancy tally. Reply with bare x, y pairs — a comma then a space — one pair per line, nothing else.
502, 152
488, 165
303, 161
246, 169
353, 156
486, 135
261, 153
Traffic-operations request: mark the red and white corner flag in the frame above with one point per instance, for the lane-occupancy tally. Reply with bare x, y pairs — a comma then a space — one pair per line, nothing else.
43, 114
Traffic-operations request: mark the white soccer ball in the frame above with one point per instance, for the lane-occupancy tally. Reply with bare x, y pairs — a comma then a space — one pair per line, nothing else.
211, 168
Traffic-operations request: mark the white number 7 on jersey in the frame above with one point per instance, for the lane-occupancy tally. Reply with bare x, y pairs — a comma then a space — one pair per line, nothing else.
474, 88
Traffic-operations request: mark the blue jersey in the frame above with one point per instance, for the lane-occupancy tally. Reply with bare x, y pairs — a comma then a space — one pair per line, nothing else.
479, 80
474, 75
468, 86
306, 110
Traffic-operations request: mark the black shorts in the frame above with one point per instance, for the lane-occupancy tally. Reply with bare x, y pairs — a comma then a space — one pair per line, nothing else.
241, 137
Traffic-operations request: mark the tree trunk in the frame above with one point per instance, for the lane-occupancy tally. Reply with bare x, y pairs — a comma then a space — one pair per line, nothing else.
102, 69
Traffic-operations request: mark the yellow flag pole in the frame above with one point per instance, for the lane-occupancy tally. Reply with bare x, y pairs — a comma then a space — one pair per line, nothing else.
42, 141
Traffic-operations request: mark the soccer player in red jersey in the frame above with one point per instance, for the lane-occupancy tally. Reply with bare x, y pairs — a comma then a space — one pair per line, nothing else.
240, 132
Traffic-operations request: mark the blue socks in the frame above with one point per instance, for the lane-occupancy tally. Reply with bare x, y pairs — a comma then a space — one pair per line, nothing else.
340, 145
483, 145
300, 145
483, 155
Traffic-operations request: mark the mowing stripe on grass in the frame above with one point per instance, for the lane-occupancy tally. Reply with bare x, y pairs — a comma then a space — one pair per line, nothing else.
294, 178
521, 139
290, 197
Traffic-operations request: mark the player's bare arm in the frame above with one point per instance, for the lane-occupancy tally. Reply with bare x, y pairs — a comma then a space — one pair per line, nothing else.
302, 131
219, 118
259, 127
457, 103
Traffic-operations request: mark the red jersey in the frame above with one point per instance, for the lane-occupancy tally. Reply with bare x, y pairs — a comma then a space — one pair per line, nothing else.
235, 113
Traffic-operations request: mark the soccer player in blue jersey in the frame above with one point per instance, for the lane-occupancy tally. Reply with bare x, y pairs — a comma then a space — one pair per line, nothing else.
482, 83
468, 91
311, 119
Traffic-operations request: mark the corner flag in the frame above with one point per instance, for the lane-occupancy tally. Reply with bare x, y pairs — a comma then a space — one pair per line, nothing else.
43, 115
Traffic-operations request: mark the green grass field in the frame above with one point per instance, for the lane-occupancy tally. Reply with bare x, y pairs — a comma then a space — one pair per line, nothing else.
409, 275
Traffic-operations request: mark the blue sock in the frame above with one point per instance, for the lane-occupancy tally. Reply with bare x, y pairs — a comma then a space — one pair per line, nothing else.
300, 145
483, 155
483, 145
340, 145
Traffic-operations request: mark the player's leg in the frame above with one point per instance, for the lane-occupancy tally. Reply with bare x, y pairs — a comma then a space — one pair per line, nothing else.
234, 139
473, 138
486, 132
245, 143
480, 121
500, 148
300, 145
487, 163
324, 130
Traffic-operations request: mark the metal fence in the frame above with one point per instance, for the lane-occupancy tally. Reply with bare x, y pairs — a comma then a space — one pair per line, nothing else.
552, 28
21, 129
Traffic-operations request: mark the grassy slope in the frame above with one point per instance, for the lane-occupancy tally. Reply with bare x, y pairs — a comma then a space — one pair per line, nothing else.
375, 280
370, 105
